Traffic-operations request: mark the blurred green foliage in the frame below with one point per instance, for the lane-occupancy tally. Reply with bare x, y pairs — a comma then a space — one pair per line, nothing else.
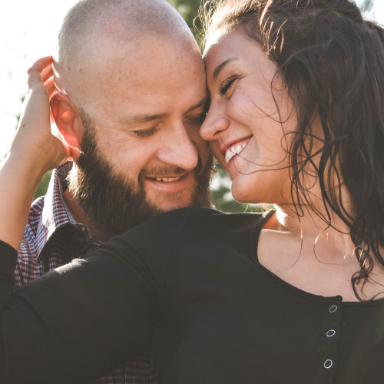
222, 196
43, 185
188, 9
366, 5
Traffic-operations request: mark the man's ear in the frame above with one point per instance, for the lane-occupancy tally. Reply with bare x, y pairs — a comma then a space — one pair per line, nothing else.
67, 119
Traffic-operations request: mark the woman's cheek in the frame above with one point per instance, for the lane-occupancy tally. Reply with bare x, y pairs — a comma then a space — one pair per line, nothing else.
240, 107
215, 149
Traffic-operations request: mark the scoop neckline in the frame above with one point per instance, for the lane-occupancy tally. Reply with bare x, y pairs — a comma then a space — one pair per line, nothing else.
253, 243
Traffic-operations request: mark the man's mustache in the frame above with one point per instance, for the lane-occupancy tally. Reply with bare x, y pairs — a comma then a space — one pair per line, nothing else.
162, 171
172, 170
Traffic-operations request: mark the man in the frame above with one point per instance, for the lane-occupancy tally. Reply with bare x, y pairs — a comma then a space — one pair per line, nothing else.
131, 100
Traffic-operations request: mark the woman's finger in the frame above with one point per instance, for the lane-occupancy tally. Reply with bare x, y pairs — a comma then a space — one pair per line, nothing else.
50, 85
51, 118
46, 73
34, 73
40, 64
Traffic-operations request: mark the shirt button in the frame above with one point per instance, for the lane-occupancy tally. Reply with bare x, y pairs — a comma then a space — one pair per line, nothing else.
333, 309
331, 333
328, 364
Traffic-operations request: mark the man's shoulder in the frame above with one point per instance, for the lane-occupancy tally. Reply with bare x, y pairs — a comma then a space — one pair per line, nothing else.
28, 267
37, 206
34, 215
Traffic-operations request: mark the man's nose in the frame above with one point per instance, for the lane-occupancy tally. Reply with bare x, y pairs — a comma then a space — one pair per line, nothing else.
179, 150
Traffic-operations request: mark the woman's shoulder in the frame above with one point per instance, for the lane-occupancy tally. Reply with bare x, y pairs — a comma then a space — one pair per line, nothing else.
197, 222
165, 228
161, 232
174, 221
152, 243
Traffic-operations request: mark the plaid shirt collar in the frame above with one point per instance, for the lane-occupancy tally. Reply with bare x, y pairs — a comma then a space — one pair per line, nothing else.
55, 213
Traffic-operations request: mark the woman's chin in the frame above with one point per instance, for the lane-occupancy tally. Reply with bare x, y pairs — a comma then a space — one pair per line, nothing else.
242, 194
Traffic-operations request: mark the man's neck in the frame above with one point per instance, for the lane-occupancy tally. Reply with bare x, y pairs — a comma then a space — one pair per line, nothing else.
81, 217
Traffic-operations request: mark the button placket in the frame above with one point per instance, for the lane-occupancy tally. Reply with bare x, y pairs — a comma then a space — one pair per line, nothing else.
333, 309
328, 348
331, 333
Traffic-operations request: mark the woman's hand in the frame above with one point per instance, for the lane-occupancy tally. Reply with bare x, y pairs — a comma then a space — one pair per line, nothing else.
34, 140
34, 151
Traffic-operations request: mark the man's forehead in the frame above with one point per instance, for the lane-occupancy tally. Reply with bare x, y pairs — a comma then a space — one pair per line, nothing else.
144, 75
92, 26
142, 62
145, 49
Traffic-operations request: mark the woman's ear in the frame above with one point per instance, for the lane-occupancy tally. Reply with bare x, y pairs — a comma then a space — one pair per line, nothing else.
67, 119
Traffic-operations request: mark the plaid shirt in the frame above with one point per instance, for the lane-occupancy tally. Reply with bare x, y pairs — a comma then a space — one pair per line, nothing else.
53, 238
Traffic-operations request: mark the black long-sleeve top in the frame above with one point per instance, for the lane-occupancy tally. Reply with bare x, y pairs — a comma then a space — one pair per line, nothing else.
187, 284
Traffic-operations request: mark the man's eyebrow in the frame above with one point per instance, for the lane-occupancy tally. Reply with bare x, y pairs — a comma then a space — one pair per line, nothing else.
142, 118
218, 69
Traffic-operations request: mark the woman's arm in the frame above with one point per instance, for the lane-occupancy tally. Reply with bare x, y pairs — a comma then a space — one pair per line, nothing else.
80, 321
33, 152
8, 258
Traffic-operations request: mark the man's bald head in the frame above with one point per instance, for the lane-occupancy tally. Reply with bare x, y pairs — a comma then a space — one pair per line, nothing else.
92, 27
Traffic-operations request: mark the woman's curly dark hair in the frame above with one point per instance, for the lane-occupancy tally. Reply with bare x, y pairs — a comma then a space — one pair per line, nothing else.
332, 62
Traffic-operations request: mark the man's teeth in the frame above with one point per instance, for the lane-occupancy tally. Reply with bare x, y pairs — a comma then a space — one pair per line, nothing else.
234, 150
167, 179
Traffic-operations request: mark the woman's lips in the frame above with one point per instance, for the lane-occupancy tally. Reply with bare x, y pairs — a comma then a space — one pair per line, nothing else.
235, 148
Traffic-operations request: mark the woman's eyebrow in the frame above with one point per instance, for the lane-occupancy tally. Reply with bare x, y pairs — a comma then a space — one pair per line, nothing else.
218, 69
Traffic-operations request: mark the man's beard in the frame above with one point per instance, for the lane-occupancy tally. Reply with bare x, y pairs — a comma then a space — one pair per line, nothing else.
113, 202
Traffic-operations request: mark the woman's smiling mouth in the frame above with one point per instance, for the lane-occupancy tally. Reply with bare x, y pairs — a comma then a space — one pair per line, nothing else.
234, 149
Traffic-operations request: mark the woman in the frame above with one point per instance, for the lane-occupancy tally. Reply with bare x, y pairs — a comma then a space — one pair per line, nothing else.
289, 297
296, 119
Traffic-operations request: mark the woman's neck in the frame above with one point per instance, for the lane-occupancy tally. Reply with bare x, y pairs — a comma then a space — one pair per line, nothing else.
331, 243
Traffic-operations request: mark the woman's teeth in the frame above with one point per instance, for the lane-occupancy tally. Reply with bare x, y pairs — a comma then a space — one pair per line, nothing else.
167, 179
234, 150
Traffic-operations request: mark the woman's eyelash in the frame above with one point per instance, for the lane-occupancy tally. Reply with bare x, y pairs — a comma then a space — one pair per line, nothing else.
226, 85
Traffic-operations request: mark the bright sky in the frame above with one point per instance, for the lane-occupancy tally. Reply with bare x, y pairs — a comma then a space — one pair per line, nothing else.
28, 31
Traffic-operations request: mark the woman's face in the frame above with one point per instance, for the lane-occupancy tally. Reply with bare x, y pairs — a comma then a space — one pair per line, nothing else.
250, 119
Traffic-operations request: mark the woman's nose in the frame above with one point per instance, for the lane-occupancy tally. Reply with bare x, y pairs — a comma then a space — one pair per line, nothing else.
213, 125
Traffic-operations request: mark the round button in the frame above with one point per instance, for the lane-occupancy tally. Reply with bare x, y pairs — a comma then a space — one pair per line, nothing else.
328, 364
331, 333
333, 309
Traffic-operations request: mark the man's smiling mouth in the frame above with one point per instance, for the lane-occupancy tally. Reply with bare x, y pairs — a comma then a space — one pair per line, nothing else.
169, 183
166, 179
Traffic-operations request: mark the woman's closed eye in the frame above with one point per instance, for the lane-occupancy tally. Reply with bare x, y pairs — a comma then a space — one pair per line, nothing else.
226, 85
